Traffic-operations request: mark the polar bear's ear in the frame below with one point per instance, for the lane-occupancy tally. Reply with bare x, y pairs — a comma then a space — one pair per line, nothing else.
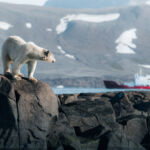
46, 53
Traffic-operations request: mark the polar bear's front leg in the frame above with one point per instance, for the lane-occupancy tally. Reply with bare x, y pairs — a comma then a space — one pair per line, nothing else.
31, 70
6, 67
20, 74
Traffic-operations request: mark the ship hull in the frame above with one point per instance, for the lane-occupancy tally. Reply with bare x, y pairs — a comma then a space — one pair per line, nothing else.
114, 85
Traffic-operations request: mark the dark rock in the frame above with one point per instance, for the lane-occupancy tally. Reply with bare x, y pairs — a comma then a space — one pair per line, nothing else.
62, 135
122, 105
109, 121
117, 140
146, 139
67, 98
82, 123
140, 101
26, 109
136, 129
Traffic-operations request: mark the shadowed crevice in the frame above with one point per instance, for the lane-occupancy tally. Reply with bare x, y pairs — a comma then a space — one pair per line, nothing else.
17, 95
7, 120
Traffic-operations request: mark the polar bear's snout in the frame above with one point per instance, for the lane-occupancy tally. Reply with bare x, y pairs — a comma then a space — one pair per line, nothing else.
50, 57
54, 60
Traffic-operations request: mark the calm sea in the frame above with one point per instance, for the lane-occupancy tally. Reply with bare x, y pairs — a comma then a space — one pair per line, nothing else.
89, 90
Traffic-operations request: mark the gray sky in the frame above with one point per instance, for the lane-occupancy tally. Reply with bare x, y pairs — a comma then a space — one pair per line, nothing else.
31, 2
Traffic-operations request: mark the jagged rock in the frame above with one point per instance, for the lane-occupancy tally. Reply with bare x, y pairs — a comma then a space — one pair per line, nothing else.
62, 135
122, 105
136, 129
109, 121
26, 109
87, 115
118, 140
82, 123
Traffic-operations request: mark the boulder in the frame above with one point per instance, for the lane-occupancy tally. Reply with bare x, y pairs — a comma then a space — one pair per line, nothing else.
81, 123
121, 105
103, 121
26, 108
62, 135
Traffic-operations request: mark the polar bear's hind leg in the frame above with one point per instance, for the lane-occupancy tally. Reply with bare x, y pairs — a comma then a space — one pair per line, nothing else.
16, 66
6, 64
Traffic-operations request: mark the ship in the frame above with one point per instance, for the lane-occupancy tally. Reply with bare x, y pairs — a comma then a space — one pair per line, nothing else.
140, 82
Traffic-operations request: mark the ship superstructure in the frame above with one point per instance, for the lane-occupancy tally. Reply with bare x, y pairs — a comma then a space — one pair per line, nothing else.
140, 82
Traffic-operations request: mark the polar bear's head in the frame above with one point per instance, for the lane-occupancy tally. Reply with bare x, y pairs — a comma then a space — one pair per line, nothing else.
48, 56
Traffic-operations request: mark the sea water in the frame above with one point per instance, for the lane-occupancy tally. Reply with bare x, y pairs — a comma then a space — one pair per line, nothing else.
90, 90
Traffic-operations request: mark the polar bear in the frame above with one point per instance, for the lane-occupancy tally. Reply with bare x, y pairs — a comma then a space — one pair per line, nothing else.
16, 51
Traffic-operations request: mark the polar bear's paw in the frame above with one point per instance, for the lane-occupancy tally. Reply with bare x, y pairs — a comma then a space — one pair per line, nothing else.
33, 79
17, 77
21, 75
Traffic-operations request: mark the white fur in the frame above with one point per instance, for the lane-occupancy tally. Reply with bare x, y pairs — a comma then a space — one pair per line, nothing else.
16, 51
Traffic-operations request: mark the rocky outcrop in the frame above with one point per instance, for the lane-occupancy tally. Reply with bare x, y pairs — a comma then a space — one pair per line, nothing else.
26, 109
30, 119
109, 121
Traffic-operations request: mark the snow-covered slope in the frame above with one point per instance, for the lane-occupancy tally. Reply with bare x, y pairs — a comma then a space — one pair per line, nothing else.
125, 42
85, 18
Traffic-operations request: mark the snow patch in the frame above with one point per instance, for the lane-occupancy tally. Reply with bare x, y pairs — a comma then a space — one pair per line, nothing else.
86, 18
28, 25
60, 86
70, 56
125, 42
124, 49
5, 25
145, 66
61, 50
64, 52
49, 29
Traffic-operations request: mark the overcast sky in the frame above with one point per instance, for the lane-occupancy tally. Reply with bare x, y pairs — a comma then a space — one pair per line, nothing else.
31, 2
41, 2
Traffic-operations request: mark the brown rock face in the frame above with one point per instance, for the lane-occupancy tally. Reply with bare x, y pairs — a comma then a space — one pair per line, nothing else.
26, 108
